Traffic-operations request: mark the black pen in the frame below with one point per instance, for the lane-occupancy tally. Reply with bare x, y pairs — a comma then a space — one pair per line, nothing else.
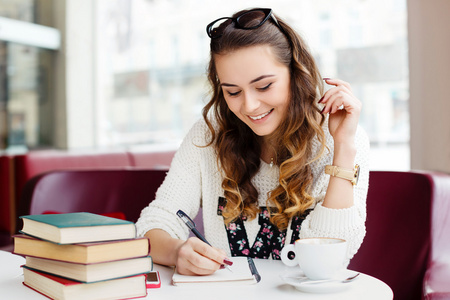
253, 269
191, 224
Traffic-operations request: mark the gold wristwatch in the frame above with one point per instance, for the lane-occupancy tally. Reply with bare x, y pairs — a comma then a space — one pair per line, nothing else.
349, 174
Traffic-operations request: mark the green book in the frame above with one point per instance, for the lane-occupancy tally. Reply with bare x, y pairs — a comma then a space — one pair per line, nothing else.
80, 227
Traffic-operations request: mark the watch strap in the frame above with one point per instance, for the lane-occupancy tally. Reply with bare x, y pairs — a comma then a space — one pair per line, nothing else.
344, 173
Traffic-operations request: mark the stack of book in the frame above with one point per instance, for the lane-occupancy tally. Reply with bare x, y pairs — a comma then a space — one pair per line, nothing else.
83, 256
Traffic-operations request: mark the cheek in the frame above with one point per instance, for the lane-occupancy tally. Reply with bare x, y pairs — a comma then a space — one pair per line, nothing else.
283, 106
232, 105
287, 98
282, 100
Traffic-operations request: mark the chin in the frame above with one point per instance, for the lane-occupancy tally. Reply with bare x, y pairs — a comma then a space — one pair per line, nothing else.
262, 133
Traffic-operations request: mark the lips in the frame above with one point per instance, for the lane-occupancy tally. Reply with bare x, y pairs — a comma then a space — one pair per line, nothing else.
259, 117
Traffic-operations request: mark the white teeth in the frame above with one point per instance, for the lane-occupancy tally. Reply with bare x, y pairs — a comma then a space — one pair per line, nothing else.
261, 116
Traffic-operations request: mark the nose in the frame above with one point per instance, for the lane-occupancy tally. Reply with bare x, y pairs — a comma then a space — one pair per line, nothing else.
251, 103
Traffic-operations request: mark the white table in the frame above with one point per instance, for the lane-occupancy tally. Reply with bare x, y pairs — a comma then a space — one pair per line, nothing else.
271, 285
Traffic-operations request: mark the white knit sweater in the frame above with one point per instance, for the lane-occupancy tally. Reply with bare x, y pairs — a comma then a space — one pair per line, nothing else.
194, 181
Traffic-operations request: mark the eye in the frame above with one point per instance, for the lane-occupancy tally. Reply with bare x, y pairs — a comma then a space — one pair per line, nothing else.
265, 87
233, 94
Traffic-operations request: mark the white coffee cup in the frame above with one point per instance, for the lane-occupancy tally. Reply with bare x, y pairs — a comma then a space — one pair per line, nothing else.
319, 258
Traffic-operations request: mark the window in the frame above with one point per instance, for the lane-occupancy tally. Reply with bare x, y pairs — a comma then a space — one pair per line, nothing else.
26, 103
153, 54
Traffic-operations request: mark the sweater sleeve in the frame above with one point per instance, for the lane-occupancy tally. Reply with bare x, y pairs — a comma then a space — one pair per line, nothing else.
347, 223
181, 189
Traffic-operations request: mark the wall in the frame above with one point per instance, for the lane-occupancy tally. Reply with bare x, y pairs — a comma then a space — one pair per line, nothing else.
74, 83
429, 64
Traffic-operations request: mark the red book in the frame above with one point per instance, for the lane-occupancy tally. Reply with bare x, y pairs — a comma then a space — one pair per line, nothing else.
60, 288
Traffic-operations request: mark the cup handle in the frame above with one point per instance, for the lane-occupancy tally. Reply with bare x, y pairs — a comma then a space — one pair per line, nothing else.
291, 262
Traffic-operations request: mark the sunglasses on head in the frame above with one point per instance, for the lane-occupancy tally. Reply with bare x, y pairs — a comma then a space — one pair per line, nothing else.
248, 20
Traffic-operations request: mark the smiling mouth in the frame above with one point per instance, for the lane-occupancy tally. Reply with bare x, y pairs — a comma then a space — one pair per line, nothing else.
261, 116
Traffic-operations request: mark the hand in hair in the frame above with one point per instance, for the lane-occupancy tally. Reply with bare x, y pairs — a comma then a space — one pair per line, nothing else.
344, 109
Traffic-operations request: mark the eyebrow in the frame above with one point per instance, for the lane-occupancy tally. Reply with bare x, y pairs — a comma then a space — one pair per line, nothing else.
253, 81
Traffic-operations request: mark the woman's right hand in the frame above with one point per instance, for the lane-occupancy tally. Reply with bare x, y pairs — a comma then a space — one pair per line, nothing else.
195, 257
191, 257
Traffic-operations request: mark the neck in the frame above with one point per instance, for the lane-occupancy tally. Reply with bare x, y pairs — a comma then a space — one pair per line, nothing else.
268, 153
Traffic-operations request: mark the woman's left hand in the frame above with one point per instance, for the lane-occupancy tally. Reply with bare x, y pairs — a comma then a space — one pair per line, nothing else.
342, 122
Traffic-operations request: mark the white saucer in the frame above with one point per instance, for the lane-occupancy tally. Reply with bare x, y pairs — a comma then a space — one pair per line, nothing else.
291, 278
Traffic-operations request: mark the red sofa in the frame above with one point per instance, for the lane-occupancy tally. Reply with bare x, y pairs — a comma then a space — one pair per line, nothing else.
407, 244
5, 199
437, 277
121, 193
16, 170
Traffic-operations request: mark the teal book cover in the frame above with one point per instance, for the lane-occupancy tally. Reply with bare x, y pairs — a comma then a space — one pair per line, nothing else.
80, 219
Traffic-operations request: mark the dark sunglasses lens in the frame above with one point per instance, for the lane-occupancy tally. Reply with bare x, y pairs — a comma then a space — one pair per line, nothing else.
251, 19
216, 29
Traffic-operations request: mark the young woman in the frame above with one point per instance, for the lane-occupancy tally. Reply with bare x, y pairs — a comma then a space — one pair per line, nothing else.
259, 163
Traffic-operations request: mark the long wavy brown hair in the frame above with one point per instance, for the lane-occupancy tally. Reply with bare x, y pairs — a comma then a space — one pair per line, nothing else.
238, 148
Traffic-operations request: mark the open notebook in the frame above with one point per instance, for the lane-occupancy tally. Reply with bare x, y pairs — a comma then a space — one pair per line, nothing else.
240, 274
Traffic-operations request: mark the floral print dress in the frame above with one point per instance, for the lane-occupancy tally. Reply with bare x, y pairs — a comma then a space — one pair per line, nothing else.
269, 240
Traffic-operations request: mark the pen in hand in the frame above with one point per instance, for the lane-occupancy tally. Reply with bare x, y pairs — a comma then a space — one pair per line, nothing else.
191, 225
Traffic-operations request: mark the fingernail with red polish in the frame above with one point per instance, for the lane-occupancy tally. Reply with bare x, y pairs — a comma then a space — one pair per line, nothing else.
222, 267
326, 78
322, 110
227, 262
321, 99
